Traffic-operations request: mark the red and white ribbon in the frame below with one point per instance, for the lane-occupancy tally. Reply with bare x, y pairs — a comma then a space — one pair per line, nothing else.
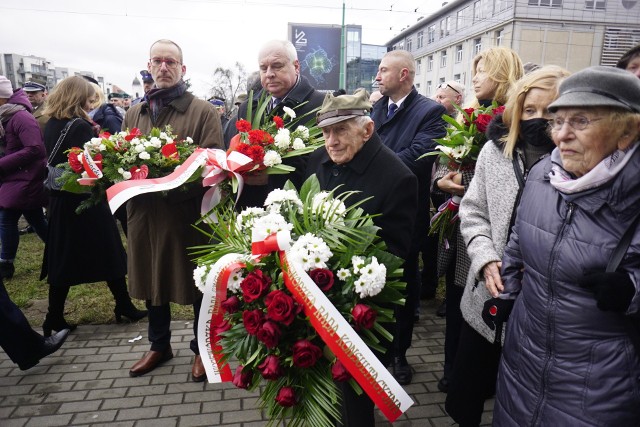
91, 168
260, 244
219, 167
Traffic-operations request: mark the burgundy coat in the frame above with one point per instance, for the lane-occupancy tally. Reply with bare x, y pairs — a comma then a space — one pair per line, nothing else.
22, 168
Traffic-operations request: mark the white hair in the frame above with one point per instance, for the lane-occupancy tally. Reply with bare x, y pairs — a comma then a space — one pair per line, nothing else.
284, 45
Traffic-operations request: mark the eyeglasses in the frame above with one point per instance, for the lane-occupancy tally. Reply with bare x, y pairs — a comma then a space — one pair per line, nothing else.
171, 63
575, 122
446, 85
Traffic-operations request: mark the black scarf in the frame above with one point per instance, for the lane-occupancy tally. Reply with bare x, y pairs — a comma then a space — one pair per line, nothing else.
159, 98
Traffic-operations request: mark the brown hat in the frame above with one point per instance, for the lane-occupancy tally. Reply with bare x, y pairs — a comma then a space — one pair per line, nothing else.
344, 107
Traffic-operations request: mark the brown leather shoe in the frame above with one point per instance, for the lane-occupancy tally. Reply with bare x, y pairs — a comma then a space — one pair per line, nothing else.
150, 361
198, 374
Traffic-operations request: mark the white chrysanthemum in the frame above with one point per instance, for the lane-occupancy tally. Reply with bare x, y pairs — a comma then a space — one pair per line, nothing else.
126, 175
138, 148
344, 274
311, 252
271, 223
144, 155
279, 198
189, 140
358, 263
247, 217
332, 210
289, 112
233, 285
271, 158
298, 144
372, 279
200, 276
302, 132
282, 139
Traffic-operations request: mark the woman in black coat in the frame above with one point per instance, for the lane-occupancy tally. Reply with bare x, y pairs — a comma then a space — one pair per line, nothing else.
86, 247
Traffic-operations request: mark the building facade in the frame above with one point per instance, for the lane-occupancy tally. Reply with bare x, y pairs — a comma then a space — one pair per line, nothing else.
573, 34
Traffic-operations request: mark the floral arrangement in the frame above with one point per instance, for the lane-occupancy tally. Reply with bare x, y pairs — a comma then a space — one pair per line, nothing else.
128, 155
268, 138
266, 327
459, 150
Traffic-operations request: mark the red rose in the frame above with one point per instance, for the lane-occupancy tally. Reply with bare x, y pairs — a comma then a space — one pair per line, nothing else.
170, 151
252, 320
364, 316
278, 121
322, 277
231, 304
482, 121
133, 133
305, 354
242, 379
271, 368
243, 126
255, 285
269, 334
286, 397
139, 172
498, 110
281, 307
469, 112
339, 372
258, 136
72, 157
222, 327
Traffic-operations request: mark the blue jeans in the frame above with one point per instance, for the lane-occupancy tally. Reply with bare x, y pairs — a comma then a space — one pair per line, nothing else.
9, 233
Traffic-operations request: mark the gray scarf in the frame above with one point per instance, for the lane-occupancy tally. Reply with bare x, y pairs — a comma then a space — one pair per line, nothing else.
6, 112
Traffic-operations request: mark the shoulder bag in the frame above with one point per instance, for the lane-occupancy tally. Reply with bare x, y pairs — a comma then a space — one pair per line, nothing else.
53, 172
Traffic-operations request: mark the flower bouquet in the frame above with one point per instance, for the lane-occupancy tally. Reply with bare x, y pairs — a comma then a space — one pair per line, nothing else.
459, 150
297, 294
268, 138
128, 155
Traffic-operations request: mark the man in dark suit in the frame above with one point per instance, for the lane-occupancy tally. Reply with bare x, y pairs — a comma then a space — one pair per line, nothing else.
23, 345
408, 123
285, 87
355, 159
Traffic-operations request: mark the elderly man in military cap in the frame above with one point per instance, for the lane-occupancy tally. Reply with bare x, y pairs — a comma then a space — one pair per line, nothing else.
355, 159
37, 94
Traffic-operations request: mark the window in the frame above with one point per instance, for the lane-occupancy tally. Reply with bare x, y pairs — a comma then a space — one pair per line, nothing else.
477, 11
460, 19
429, 85
420, 39
429, 62
443, 58
441, 80
595, 5
448, 28
499, 35
546, 3
459, 53
477, 46
456, 78
409, 44
418, 66
431, 34
443, 26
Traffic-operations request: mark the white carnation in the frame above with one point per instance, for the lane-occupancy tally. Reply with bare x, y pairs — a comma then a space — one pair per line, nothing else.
279, 198
139, 148
126, 175
282, 139
200, 276
303, 131
298, 144
144, 155
189, 140
289, 112
271, 158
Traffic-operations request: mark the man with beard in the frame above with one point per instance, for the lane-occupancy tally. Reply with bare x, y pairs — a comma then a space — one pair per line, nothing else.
159, 267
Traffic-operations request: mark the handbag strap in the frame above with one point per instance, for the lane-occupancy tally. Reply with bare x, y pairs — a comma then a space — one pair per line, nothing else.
63, 134
623, 245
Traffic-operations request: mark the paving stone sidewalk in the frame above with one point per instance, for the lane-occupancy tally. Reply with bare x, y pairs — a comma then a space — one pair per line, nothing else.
87, 383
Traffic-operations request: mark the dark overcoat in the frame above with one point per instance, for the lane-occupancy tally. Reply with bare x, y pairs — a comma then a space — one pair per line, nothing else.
160, 226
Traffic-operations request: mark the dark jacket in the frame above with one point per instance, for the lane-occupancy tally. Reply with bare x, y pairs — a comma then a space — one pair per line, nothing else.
302, 93
108, 117
565, 361
22, 168
374, 171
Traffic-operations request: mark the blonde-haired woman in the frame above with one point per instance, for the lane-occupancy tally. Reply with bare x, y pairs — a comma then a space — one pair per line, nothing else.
495, 71
85, 247
104, 114
518, 139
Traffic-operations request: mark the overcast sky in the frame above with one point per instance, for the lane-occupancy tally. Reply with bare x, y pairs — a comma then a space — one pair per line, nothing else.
112, 37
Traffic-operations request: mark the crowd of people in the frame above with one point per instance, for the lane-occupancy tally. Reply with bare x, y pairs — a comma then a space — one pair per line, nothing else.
547, 238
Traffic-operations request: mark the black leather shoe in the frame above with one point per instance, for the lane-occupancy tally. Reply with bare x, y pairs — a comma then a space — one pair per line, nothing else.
198, 373
150, 361
50, 345
443, 385
402, 371
442, 310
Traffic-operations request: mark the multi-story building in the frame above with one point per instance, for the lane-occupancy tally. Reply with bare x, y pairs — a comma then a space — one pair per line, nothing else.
570, 33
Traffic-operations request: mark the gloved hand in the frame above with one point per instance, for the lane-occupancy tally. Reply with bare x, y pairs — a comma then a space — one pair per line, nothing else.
613, 291
496, 311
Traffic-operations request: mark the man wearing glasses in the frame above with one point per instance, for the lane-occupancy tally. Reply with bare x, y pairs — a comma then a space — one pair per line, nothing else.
450, 94
159, 268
